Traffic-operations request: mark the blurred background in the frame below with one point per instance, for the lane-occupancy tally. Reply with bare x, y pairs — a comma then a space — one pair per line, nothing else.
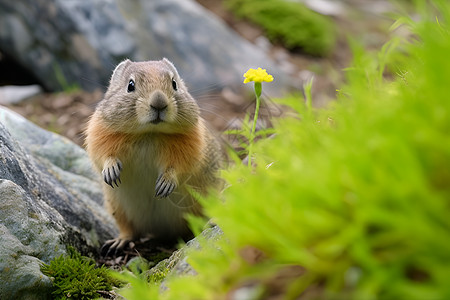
56, 57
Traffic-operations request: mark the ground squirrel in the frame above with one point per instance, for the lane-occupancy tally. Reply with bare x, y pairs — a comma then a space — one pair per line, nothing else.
147, 139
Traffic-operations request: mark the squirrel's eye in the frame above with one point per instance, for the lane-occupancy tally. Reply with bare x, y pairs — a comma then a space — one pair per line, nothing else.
174, 85
130, 86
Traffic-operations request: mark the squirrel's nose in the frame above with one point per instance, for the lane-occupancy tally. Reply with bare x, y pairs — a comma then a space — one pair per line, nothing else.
159, 102
158, 108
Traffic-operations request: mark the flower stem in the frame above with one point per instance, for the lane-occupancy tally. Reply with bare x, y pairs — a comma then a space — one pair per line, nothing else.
258, 88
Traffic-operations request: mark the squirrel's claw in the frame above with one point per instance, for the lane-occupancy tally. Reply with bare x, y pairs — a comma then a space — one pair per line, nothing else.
164, 187
111, 172
113, 247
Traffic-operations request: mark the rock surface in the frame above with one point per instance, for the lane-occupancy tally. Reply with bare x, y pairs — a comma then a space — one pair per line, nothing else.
65, 42
17, 94
176, 265
50, 198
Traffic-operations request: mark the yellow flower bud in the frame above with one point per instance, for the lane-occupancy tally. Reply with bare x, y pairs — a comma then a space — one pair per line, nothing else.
258, 75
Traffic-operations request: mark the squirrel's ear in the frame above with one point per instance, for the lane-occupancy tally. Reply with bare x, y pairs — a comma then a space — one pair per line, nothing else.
119, 69
170, 65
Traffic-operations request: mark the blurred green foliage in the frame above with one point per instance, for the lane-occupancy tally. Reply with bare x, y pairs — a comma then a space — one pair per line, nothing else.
347, 202
288, 22
62, 81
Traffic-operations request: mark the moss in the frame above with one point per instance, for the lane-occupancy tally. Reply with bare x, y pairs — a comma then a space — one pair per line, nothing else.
290, 23
76, 276
157, 274
158, 257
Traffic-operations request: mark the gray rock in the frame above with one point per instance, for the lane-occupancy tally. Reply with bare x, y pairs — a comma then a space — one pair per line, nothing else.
65, 42
50, 198
26, 239
326, 7
176, 264
16, 94
179, 259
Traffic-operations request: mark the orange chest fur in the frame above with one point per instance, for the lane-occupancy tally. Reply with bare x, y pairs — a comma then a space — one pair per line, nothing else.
183, 152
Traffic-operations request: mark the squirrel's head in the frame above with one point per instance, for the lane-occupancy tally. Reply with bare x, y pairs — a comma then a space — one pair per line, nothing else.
148, 96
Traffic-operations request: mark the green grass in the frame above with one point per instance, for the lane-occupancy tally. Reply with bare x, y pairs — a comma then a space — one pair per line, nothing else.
347, 202
290, 23
62, 81
77, 277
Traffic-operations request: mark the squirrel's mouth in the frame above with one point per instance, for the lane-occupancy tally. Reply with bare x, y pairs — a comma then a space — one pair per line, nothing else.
156, 121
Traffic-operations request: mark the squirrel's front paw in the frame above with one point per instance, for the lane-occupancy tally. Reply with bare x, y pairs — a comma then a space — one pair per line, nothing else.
165, 184
111, 171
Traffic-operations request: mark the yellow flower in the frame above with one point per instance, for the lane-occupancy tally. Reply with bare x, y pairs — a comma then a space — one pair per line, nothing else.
258, 75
